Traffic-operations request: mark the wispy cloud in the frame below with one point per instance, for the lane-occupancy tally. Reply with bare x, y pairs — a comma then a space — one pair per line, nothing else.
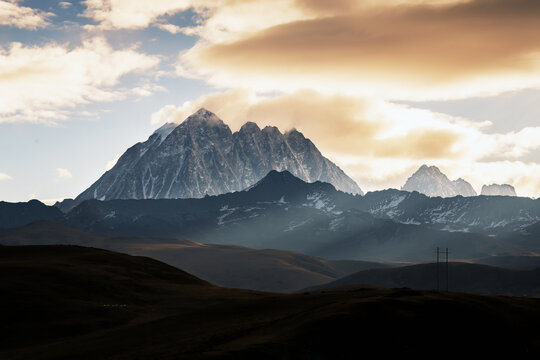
133, 14
147, 90
4, 177
173, 29
63, 173
65, 4
23, 17
44, 83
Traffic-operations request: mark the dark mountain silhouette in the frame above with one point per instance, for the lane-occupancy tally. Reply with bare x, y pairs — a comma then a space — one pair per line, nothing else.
462, 277
71, 302
517, 262
19, 214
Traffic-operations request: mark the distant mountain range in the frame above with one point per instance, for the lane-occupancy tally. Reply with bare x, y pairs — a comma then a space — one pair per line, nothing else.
283, 212
279, 212
201, 156
430, 181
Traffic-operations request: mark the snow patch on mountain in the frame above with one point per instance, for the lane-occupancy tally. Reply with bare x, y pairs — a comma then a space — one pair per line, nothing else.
319, 201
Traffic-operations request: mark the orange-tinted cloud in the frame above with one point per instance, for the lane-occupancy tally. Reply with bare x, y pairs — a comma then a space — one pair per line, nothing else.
338, 124
408, 47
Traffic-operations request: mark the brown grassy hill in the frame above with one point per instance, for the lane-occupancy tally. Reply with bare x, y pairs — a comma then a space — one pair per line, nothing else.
224, 265
69, 302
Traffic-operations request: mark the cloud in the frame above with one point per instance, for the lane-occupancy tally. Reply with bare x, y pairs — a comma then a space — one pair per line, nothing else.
63, 173
379, 143
22, 17
132, 14
411, 51
401, 49
217, 19
5, 177
110, 164
65, 4
44, 83
224, 19
148, 90
173, 29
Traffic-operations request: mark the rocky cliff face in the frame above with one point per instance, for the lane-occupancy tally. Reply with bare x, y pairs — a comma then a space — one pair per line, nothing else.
498, 190
429, 180
201, 156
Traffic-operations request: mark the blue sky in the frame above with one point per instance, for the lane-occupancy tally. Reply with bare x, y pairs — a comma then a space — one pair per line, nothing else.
81, 81
83, 145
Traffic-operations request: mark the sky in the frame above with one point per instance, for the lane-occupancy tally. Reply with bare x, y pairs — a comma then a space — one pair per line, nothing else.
380, 86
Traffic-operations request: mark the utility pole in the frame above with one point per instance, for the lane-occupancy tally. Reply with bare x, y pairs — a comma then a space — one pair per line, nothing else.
437, 268
446, 269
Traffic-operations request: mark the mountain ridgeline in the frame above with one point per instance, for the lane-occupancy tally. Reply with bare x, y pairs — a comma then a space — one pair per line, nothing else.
202, 156
284, 212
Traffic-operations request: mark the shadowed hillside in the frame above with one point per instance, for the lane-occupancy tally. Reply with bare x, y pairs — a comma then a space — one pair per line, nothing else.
224, 265
463, 277
69, 302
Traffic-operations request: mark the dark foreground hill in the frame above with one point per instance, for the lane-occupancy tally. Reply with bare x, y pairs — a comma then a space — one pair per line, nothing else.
463, 277
68, 302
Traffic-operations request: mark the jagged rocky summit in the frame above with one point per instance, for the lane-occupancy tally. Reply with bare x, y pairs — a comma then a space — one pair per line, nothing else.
429, 180
498, 190
202, 156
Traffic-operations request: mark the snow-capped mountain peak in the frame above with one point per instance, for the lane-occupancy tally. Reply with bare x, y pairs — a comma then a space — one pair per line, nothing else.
498, 190
429, 180
203, 117
202, 156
